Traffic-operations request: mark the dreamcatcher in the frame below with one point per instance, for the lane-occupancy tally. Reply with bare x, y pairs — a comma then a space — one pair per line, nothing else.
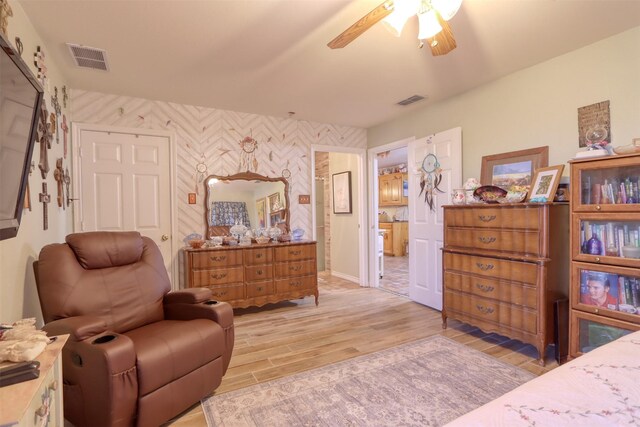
201, 172
248, 161
430, 179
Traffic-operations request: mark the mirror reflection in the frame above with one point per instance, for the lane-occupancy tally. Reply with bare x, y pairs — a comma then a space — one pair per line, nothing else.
255, 201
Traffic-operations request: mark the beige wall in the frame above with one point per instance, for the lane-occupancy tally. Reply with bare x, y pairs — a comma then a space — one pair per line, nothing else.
344, 227
18, 296
536, 106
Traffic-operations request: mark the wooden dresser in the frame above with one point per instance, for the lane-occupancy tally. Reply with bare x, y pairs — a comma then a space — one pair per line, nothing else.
36, 402
504, 266
254, 275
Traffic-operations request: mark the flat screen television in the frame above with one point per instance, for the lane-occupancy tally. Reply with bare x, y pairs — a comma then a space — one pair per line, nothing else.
20, 98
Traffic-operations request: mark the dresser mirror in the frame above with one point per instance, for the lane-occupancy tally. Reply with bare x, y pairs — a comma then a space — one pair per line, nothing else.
247, 198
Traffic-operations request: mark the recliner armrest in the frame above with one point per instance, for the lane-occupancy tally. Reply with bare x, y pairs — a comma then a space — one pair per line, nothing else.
188, 296
79, 328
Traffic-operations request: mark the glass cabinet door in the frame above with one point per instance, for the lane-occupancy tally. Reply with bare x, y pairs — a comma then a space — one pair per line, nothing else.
606, 290
611, 239
611, 184
594, 331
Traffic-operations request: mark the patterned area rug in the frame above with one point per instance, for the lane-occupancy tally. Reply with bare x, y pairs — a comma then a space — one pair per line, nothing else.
424, 383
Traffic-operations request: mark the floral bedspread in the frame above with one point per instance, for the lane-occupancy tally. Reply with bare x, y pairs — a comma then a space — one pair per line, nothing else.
600, 388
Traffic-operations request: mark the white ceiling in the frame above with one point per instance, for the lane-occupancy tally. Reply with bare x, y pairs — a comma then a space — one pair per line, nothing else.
270, 57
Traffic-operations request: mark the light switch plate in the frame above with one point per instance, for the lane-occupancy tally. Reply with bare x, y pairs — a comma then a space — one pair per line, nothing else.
192, 198
304, 199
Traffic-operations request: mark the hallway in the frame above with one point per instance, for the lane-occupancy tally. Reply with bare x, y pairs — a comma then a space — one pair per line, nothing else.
396, 275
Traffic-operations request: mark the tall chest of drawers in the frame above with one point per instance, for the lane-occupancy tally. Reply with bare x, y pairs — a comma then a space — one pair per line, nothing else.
504, 266
254, 275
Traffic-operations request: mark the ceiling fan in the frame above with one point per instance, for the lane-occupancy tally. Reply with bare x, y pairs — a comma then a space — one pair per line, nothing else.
432, 20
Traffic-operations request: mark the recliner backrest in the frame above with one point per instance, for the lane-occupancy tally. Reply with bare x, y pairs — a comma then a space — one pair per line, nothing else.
119, 277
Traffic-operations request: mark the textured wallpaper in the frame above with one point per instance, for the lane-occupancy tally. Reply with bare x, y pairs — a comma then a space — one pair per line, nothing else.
215, 136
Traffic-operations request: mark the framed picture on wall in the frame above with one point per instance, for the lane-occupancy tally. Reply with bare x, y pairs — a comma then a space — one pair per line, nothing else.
513, 168
341, 192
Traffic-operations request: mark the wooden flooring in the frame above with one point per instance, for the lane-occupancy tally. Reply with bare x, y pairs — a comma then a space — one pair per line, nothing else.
290, 337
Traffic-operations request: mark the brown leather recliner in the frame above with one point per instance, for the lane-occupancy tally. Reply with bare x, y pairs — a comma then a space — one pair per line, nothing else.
137, 353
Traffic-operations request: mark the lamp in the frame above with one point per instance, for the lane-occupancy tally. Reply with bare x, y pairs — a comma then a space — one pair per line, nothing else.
426, 10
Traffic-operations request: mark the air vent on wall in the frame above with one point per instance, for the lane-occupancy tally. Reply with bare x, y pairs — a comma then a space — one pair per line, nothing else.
89, 57
411, 100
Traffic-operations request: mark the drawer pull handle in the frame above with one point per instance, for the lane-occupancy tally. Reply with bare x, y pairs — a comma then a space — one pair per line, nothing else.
218, 276
220, 293
484, 267
218, 258
298, 252
484, 310
486, 218
259, 272
295, 268
597, 259
484, 288
259, 255
54, 385
298, 283
487, 240
259, 288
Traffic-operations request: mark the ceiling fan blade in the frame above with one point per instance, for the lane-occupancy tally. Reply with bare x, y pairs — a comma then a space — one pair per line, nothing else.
362, 25
443, 42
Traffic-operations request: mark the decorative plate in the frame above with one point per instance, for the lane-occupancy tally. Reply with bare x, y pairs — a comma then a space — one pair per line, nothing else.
513, 197
489, 193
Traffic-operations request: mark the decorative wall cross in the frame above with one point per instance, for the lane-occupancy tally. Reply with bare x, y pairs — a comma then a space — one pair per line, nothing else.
45, 141
65, 129
52, 125
58, 175
67, 181
5, 13
40, 66
45, 198
65, 96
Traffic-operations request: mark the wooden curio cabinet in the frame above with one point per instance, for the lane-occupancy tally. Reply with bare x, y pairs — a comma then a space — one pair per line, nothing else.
605, 251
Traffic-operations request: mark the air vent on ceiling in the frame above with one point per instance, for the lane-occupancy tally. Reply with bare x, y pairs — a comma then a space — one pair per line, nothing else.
89, 57
411, 100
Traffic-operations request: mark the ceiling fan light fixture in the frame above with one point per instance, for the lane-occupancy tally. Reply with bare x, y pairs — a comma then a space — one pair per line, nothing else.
446, 8
402, 11
429, 25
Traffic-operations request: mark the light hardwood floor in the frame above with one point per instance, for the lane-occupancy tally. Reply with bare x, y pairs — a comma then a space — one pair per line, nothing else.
290, 337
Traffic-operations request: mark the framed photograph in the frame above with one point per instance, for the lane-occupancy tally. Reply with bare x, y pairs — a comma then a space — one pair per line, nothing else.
261, 211
545, 183
274, 202
341, 192
513, 168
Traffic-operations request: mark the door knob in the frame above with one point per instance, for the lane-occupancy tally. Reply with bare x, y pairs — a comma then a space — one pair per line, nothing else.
164, 238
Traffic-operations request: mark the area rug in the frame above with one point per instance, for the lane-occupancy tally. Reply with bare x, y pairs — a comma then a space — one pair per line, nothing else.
424, 383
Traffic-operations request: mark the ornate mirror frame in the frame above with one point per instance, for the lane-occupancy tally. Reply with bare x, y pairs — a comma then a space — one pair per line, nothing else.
244, 176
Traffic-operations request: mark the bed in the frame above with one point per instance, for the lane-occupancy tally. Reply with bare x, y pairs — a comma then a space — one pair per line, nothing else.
600, 388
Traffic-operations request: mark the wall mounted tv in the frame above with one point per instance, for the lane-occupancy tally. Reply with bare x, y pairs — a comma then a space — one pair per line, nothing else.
20, 98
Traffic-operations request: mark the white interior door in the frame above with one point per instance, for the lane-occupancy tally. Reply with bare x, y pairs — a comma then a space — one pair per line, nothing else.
426, 226
125, 185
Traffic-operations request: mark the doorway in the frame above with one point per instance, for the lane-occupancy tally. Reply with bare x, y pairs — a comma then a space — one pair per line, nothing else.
393, 217
340, 232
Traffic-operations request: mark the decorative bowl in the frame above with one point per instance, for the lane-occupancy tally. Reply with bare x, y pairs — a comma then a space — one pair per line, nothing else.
196, 243
262, 240
284, 238
631, 251
214, 241
513, 197
229, 240
297, 233
489, 193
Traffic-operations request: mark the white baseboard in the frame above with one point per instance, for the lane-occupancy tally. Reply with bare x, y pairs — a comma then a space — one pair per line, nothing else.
346, 277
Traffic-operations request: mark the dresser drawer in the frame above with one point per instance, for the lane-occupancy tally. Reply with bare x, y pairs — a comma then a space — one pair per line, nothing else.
295, 253
524, 272
258, 256
228, 292
215, 259
504, 291
507, 217
492, 311
295, 284
298, 268
217, 277
258, 272
518, 241
259, 289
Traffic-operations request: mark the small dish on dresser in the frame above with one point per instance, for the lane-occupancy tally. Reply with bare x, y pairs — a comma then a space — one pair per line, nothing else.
513, 197
262, 240
196, 243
